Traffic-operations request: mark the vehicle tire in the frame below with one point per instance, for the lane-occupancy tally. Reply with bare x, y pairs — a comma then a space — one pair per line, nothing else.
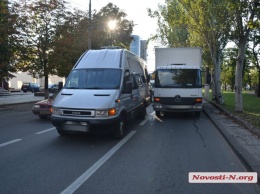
61, 132
197, 114
120, 128
158, 114
142, 114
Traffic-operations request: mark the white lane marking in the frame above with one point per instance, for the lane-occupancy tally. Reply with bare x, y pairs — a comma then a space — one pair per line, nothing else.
9, 142
147, 118
86, 175
143, 122
44, 131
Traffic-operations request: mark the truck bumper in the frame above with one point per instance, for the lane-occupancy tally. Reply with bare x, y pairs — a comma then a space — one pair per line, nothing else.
177, 108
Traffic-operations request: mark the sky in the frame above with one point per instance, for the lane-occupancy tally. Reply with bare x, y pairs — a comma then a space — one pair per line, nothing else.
136, 11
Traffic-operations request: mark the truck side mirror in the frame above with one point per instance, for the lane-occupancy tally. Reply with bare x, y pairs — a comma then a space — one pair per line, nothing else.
128, 87
60, 86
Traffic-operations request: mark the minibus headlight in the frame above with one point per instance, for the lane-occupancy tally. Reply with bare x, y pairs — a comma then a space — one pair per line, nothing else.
106, 113
101, 113
55, 111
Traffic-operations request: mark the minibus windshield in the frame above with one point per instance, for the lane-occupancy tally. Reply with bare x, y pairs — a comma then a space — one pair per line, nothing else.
178, 78
94, 79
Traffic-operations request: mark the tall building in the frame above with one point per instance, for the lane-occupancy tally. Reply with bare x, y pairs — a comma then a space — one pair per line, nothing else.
143, 49
138, 47
135, 45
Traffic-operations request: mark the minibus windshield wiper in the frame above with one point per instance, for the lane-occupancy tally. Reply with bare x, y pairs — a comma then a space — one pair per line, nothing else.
72, 88
93, 88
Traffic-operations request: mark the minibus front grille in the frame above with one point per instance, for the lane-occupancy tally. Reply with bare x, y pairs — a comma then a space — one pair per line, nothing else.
78, 113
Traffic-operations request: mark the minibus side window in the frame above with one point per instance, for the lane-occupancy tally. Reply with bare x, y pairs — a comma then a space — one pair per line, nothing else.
127, 78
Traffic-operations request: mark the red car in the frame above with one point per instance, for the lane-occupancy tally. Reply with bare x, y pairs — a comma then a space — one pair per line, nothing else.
43, 108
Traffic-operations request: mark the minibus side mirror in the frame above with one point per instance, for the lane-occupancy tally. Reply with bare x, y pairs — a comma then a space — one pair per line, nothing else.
128, 88
60, 86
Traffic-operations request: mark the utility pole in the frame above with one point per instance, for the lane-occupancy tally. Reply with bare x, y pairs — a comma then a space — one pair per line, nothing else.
89, 26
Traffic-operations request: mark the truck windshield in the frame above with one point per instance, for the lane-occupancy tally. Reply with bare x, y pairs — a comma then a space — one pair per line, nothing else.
178, 78
94, 79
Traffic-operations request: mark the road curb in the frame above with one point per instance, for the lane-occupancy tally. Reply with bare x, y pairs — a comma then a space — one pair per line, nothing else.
251, 164
4, 106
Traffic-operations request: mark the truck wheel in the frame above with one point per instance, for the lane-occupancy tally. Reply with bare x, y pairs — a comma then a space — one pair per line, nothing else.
158, 114
142, 114
120, 128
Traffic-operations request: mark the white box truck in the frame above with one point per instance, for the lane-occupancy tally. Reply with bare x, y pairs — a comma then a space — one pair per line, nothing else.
178, 83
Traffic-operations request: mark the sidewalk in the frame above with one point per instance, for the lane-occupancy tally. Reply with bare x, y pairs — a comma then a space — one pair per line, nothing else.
241, 136
19, 97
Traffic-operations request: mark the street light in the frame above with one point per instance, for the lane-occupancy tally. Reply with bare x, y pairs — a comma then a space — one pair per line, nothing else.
112, 26
89, 26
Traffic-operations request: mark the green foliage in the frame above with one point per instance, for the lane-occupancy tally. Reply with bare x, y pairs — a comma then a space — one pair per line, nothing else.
69, 43
229, 67
251, 104
7, 41
172, 30
71, 39
103, 36
38, 22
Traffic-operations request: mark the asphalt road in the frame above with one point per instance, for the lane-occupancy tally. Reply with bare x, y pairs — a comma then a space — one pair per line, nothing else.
155, 157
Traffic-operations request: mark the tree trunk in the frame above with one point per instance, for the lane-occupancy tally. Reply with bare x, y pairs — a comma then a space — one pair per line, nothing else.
216, 84
238, 78
46, 84
258, 88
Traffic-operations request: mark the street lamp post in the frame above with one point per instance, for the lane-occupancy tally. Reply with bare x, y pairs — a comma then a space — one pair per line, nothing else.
89, 26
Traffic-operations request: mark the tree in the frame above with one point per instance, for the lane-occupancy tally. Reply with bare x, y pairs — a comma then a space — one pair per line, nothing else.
229, 67
71, 40
245, 20
172, 28
103, 36
7, 40
255, 40
38, 22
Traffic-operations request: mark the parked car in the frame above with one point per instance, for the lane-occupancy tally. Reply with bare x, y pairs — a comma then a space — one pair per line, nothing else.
43, 108
53, 88
33, 87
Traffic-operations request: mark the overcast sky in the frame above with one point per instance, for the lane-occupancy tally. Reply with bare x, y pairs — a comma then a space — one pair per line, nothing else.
136, 10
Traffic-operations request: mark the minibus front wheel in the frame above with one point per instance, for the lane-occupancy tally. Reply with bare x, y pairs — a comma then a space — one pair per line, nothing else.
120, 128
61, 132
